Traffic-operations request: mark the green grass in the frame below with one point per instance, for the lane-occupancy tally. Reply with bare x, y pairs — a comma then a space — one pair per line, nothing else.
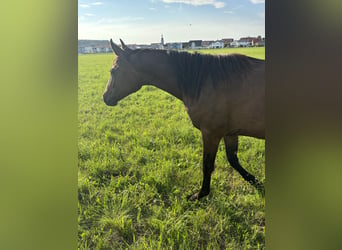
140, 159
257, 52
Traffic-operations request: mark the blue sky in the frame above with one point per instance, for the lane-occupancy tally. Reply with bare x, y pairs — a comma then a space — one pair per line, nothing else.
143, 21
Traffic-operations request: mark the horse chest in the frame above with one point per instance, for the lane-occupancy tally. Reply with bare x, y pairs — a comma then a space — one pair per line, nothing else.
206, 117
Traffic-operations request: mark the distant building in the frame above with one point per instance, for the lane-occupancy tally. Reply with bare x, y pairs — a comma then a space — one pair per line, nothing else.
245, 44
102, 49
89, 50
132, 46
142, 46
195, 44
102, 46
174, 46
241, 43
234, 44
96, 48
217, 45
206, 44
252, 41
259, 41
185, 45
156, 46
81, 50
227, 41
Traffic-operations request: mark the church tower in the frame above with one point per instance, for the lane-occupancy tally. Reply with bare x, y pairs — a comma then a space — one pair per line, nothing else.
162, 41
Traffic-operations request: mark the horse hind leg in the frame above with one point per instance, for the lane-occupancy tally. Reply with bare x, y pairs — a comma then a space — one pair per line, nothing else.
231, 143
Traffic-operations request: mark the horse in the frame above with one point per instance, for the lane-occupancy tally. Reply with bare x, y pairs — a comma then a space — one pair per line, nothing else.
224, 96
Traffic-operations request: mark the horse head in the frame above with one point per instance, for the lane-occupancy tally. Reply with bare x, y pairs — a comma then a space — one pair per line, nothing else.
124, 79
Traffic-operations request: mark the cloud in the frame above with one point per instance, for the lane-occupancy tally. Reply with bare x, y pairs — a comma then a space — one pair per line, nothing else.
257, 1
97, 3
88, 6
119, 20
84, 6
89, 14
216, 4
152, 9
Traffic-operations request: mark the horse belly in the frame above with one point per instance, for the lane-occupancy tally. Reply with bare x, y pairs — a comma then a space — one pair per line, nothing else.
249, 119
222, 121
210, 119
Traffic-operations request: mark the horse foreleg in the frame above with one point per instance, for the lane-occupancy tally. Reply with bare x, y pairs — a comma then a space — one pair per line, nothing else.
231, 143
210, 145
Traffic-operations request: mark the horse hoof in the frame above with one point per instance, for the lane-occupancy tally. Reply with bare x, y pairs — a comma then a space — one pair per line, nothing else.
193, 197
197, 196
260, 188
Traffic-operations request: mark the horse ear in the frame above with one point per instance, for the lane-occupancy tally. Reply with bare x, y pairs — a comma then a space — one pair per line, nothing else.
124, 46
116, 49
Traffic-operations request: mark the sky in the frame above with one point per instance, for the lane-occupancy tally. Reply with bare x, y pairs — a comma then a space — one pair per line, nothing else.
144, 21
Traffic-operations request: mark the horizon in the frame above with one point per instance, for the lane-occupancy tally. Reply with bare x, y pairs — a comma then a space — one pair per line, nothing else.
144, 21
166, 42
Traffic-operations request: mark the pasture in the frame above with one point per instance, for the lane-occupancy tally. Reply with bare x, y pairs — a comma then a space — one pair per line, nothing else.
139, 160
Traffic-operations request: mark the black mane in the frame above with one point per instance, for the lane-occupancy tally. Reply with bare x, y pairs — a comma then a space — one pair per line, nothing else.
193, 69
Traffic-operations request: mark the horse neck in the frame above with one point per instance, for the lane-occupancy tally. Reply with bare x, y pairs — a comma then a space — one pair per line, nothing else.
157, 71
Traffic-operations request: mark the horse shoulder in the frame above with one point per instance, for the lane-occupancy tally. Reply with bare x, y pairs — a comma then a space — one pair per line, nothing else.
209, 111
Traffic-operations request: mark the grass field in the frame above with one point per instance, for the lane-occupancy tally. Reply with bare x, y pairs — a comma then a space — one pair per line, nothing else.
258, 52
140, 159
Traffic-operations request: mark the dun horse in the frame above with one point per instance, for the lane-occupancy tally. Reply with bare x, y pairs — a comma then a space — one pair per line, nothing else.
224, 96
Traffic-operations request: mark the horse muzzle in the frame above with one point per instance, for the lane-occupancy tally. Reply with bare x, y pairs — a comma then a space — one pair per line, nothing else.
109, 101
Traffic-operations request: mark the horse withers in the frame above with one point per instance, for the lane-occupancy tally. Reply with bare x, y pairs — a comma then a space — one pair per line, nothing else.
224, 96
